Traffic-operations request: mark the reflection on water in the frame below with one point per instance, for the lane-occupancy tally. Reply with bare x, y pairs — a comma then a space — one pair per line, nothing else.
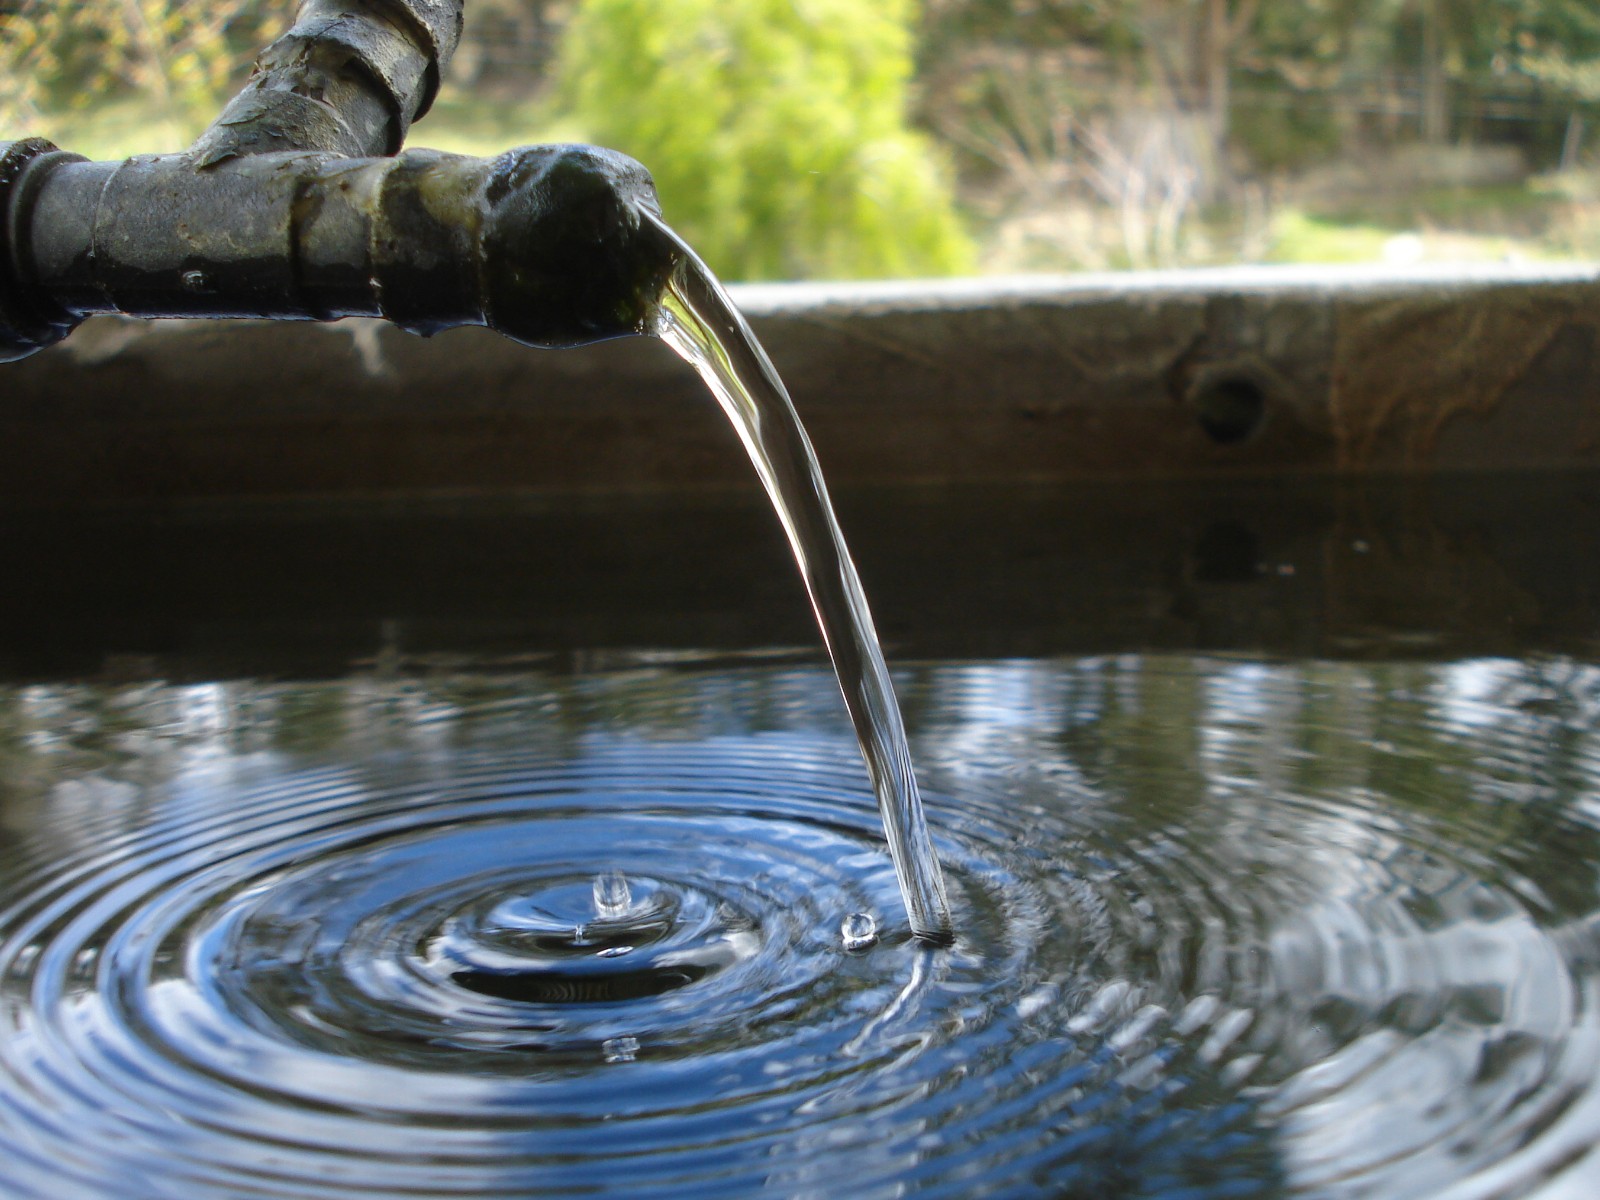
1229, 927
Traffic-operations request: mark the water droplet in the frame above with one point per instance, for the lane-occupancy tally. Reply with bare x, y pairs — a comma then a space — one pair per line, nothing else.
26, 957
612, 895
196, 281
615, 951
620, 1049
858, 932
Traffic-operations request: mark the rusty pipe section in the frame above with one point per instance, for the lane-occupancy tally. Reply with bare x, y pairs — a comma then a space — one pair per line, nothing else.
545, 244
347, 78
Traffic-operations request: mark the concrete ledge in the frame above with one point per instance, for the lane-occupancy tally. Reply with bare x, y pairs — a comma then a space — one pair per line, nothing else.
1207, 373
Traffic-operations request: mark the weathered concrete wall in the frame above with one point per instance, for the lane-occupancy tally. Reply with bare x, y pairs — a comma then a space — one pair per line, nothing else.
1215, 373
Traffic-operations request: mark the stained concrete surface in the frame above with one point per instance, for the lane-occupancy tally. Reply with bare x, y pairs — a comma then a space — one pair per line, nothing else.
1212, 374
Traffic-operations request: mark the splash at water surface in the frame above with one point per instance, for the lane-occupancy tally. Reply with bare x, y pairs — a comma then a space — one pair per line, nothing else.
546, 934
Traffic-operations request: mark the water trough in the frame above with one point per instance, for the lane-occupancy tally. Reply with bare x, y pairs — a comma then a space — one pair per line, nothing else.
418, 772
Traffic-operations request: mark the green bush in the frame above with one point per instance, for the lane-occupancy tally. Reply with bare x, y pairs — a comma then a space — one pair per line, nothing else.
775, 129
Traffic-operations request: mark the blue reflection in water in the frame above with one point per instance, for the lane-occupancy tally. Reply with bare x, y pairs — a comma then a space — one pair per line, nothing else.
1228, 928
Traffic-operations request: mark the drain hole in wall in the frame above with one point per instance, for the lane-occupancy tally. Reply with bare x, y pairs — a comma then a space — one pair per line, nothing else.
1231, 409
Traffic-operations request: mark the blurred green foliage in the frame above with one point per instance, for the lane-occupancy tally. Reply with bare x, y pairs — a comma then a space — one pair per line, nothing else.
812, 138
1285, 137
776, 130
182, 56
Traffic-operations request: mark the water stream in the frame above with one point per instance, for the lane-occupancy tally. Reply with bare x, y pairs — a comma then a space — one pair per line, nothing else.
698, 320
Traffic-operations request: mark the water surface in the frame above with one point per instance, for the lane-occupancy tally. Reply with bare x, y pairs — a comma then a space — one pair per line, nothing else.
1227, 927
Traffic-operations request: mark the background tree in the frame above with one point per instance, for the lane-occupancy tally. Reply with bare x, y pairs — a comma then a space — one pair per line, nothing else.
776, 130
1556, 42
1081, 133
184, 55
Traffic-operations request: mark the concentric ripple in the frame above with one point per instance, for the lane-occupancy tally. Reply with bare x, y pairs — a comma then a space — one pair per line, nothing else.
1226, 929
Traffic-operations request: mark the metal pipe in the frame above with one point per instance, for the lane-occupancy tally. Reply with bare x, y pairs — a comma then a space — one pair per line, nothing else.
346, 78
270, 215
545, 244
